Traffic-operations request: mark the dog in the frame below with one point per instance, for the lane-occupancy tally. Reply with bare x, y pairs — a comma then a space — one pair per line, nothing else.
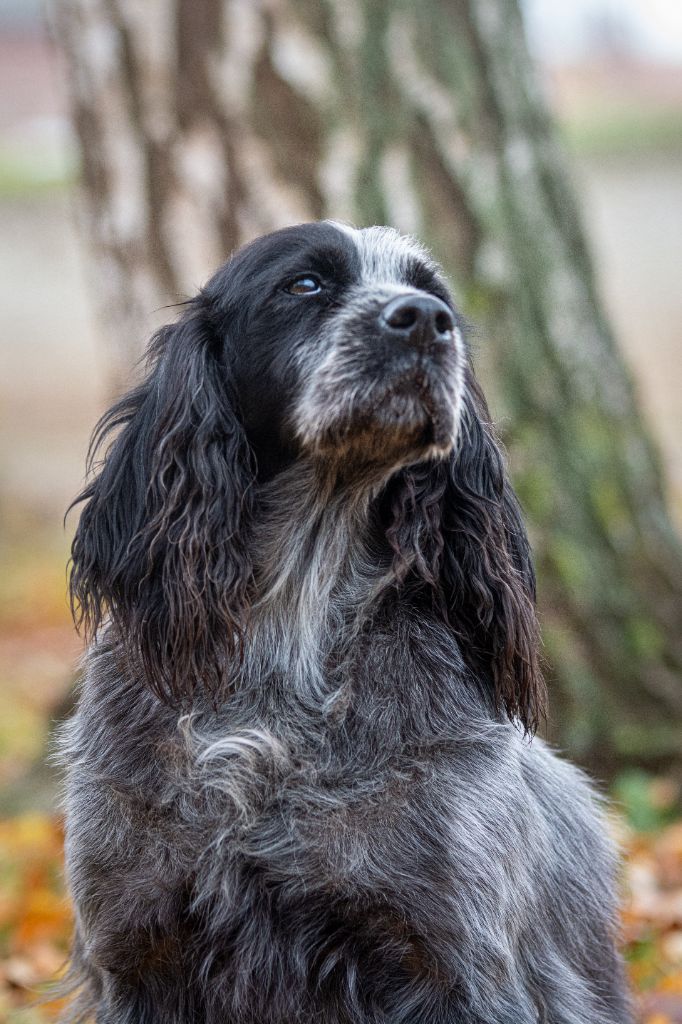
302, 779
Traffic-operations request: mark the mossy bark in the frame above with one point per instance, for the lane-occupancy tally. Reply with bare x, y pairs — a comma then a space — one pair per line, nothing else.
205, 122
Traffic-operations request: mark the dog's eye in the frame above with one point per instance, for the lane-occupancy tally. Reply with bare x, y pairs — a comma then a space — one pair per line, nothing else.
306, 285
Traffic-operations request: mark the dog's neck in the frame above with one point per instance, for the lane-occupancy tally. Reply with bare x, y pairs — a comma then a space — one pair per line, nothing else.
316, 579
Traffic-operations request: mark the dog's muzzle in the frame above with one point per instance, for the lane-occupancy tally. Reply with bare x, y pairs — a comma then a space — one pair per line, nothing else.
388, 388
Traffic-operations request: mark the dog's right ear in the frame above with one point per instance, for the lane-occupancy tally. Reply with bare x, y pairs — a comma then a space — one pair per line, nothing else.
161, 546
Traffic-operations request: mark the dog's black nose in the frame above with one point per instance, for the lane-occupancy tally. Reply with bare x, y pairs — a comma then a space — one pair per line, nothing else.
417, 318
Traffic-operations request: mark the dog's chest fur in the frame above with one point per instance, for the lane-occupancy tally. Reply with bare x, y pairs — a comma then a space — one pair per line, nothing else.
371, 850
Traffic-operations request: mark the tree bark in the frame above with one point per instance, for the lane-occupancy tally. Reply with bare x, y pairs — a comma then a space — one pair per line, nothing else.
205, 122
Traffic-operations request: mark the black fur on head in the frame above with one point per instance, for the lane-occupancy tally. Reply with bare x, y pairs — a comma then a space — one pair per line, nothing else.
162, 541
323, 346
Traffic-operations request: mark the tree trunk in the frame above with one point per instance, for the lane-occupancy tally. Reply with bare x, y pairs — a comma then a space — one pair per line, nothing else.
205, 122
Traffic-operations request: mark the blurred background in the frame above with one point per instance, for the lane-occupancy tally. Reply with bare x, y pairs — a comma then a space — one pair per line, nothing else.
76, 308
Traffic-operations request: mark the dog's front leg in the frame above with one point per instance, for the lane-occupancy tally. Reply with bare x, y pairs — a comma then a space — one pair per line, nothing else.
131, 978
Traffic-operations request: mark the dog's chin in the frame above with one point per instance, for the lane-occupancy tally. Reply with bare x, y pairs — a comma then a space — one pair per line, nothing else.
387, 428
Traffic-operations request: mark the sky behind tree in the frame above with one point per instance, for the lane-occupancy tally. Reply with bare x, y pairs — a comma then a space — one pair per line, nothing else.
567, 32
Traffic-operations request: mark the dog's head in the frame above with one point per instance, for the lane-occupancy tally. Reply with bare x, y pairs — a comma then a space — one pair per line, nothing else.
343, 345
319, 344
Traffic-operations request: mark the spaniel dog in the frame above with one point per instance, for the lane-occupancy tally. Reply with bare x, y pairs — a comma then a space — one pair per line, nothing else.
301, 786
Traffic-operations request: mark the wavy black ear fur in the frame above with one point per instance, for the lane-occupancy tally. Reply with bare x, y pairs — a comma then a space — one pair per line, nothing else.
161, 545
457, 525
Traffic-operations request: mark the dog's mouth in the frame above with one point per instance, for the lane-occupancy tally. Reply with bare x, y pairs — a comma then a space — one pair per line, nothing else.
416, 397
410, 414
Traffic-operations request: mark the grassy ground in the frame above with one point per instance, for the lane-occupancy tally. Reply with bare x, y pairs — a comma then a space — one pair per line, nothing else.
38, 652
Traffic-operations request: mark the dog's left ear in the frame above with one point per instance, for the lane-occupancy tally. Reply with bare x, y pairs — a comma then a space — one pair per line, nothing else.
456, 525
487, 572
162, 542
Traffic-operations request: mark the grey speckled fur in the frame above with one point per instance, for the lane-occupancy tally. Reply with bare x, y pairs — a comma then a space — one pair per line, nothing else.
355, 832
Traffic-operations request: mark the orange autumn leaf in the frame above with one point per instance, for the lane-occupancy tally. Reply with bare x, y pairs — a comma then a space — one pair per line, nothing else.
45, 915
672, 983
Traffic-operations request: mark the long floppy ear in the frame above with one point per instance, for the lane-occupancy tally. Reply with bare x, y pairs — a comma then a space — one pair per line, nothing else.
457, 526
487, 571
161, 544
